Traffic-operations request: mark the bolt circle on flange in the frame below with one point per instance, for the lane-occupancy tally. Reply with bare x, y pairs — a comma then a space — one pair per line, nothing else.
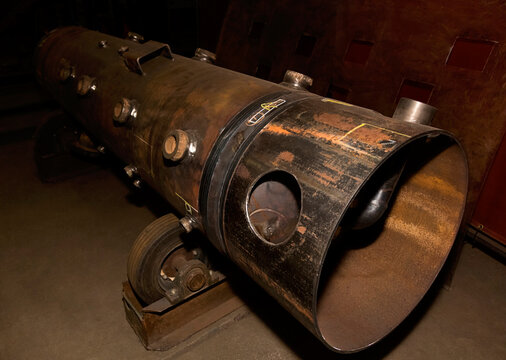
175, 145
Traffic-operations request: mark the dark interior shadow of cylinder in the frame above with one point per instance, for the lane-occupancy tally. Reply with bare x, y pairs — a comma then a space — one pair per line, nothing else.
370, 207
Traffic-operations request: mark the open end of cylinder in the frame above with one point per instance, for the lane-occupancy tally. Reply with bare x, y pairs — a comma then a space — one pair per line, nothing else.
373, 278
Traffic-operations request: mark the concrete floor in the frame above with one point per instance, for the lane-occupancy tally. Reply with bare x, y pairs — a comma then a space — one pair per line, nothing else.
63, 250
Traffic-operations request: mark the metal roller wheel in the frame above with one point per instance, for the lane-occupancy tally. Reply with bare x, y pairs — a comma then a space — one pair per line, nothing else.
151, 259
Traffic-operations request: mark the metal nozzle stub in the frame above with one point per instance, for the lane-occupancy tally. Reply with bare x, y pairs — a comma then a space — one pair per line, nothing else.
175, 145
297, 80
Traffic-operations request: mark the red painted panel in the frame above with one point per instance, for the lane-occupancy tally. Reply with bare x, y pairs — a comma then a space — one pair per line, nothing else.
306, 45
490, 213
256, 30
415, 90
412, 40
358, 52
470, 54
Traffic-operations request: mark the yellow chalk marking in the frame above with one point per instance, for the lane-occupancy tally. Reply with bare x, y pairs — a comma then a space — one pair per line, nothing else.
358, 127
336, 102
350, 131
265, 109
189, 209
392, 131
269, 106
374, 126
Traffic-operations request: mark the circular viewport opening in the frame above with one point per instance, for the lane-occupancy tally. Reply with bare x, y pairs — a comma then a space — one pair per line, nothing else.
274, 206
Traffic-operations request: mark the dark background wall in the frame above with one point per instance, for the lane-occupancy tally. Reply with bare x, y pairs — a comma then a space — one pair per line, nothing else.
450, 54
184, 24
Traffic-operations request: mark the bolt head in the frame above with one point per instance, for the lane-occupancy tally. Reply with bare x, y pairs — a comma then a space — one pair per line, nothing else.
196, 279
123, 110
85, 85
137, 183
66, 72
122, 49
130, 170
187, 224
205, 56
175, 145
135, 37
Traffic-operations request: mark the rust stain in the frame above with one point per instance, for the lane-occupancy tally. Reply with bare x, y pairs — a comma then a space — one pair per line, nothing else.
328, 119
433, 182
178, 113
278, 130
285, 156
324, 135
243, 172
325, 178
302, 229
360, 151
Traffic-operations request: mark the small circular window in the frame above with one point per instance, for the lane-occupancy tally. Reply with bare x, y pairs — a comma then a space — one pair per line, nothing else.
274, 206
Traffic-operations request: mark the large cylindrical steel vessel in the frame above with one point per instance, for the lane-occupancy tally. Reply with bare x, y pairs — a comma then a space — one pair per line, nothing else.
274, 176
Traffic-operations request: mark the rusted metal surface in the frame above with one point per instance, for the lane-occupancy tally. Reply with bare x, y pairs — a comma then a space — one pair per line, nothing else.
180, 94
272, 177
352, 295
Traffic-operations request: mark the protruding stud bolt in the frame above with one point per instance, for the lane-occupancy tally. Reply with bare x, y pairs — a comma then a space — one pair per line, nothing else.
187, 224
122, 50
195, 279
173, 292
85, 85
205, 56
66, 71
135, 37
130, 170
124, 110
175, 145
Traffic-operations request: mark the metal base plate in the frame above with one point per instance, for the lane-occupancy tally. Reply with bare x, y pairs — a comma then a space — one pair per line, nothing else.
164, 331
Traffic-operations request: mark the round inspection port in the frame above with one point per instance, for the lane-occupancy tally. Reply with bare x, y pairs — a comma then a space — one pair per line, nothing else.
274, 206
